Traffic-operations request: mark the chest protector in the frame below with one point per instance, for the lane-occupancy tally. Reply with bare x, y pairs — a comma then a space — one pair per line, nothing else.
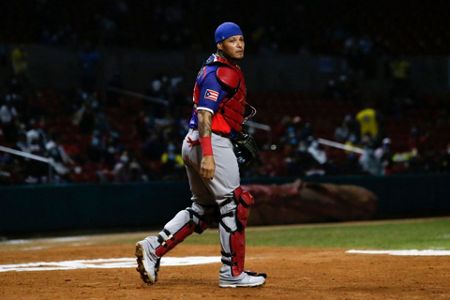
230, 115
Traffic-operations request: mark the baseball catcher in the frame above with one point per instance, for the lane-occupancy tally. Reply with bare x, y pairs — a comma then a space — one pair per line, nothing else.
212, 167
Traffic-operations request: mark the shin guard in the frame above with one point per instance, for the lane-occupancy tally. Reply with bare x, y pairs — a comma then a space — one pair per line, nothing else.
181, 226
234, 216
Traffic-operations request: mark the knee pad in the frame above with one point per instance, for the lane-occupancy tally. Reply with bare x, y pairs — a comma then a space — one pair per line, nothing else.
243, 200
237, 205
197, 220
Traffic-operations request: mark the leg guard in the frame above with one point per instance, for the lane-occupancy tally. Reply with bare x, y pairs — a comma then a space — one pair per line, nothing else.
234, 215
181, 226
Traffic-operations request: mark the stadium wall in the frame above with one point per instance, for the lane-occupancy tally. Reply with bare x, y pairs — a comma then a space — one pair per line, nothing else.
30, 209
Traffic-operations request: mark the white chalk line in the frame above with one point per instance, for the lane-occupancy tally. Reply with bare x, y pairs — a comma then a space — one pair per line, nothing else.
67, 239
412, 252
105, 263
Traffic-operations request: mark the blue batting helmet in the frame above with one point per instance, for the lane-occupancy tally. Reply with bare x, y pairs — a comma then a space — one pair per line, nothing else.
225, 30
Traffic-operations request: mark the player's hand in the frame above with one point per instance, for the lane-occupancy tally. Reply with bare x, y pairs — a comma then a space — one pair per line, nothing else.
207, 167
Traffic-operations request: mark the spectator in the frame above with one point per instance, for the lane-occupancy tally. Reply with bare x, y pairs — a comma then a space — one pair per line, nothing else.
368, 120
128, 169
317, 152
60, 158
37, 171
348, 130
19, 61
172, 164
121, 170
22, 143
320, 159
370, 163
384, 155
136, 172
8, 115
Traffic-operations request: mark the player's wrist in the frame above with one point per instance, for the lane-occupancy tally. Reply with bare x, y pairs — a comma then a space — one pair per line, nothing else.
205, 143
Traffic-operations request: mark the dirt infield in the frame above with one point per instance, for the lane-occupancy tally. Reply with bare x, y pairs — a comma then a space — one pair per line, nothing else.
293, 273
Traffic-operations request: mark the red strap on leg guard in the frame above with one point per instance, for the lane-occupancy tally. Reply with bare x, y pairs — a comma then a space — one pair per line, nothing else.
243, 208
243, 196
237, 193
175, 239
237, 245
237, 239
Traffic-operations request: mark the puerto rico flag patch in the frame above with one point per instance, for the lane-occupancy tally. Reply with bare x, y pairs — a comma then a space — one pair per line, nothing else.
211, 95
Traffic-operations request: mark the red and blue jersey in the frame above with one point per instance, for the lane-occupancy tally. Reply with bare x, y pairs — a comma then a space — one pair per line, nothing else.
220, 89
208, 92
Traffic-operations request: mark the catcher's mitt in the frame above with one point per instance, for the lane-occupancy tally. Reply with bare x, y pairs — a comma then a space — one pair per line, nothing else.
245, 149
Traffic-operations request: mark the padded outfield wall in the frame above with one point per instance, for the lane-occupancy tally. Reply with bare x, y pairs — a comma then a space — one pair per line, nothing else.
32, 209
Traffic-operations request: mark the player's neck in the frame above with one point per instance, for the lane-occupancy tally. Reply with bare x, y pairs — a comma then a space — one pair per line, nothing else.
223, 55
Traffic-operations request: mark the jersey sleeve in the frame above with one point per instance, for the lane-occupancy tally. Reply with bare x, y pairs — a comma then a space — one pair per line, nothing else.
211, 93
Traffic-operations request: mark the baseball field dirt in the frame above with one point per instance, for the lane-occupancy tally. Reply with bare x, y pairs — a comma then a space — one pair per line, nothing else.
293, 273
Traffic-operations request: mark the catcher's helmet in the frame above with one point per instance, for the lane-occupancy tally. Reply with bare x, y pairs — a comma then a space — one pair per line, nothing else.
225, 30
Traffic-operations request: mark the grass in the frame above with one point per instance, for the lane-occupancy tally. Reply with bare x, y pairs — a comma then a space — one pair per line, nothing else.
409, 234
433, 233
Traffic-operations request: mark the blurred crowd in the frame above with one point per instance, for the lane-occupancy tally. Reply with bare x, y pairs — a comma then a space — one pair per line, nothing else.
105, 136
350, 28
94, 136
91, 136
359, 146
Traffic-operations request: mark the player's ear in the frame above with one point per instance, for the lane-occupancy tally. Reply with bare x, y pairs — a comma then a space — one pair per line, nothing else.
219, 46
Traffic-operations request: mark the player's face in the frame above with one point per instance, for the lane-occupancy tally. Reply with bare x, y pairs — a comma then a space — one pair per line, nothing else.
233, 47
